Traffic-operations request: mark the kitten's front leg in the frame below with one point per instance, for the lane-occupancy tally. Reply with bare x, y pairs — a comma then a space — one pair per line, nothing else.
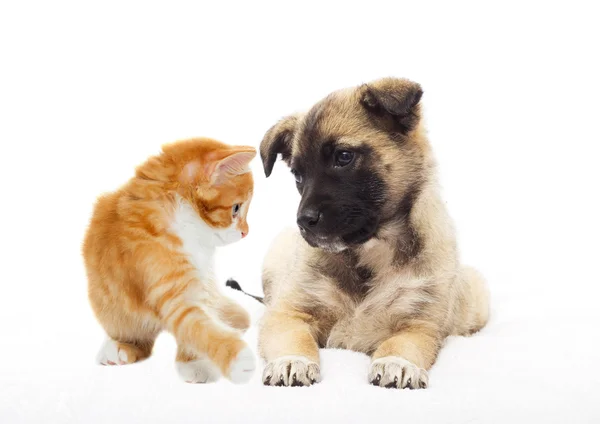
402, 360
290, 349
171, 288
197, 331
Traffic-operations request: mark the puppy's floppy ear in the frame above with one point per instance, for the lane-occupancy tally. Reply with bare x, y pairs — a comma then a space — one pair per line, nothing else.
395, 97
278, 140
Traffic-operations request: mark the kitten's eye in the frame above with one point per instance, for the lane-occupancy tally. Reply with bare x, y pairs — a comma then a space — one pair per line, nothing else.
297, 176
235, 209
343, 158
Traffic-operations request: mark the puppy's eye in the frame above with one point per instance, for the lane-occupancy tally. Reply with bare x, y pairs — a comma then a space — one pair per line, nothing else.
235, 209
343, 158
297, 176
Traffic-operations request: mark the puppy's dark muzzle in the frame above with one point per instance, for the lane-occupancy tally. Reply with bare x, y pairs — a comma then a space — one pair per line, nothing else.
363, 233
347, 223
309, 219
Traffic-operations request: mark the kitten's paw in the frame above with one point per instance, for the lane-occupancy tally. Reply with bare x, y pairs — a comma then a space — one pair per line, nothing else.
242, 367
198, 371
291, 371
115, 353
397, 372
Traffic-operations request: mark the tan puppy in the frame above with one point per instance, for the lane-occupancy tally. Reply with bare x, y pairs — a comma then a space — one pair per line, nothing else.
373, 266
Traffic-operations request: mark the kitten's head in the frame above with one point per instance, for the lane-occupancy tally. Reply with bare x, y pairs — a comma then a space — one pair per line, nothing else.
215, 179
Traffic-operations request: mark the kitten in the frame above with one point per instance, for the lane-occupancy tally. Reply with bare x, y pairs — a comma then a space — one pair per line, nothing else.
148, 254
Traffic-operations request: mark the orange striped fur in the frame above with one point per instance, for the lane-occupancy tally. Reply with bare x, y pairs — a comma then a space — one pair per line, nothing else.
148, 255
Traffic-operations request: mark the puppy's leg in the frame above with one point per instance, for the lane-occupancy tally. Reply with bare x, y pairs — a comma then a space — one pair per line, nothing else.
473, 307
290, 349
402, 360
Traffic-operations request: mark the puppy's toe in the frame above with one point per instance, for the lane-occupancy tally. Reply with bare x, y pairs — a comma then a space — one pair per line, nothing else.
396, 372
291, 371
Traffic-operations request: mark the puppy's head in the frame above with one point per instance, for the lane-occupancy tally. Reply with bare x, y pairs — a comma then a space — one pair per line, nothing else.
358, 159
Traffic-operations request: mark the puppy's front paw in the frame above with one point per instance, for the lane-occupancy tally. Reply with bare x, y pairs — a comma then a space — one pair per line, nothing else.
291, 371
397, 372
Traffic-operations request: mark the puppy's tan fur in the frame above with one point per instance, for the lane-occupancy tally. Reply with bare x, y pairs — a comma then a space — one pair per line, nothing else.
417, 293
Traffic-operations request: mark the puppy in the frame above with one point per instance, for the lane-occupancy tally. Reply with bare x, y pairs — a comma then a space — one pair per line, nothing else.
373, 264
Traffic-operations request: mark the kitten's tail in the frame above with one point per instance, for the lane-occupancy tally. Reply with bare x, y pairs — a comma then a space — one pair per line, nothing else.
236, 286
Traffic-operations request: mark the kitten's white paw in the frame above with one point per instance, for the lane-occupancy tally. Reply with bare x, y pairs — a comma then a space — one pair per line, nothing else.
243, 366
110, 354
199, 371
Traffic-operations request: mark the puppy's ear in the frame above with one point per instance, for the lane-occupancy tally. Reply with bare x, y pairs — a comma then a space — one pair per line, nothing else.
395, 98
278, 140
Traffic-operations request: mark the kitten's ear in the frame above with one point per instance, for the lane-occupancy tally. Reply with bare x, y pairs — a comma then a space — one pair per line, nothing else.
278, 140
231, 162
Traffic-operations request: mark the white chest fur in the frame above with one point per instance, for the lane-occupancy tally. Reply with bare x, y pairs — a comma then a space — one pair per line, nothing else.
197, 237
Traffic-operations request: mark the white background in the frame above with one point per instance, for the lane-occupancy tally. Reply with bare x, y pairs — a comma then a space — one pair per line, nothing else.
89, 90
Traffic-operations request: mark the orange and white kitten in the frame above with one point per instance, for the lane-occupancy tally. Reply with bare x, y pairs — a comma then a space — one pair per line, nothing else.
149, 258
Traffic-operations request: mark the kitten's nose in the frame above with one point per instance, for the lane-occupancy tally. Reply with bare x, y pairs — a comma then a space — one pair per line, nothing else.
244, 234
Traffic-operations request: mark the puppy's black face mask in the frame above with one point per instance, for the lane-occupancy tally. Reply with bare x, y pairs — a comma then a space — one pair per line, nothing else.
354, 160
342, 194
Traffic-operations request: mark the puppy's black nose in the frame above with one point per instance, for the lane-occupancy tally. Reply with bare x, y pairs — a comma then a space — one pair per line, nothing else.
309, 218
